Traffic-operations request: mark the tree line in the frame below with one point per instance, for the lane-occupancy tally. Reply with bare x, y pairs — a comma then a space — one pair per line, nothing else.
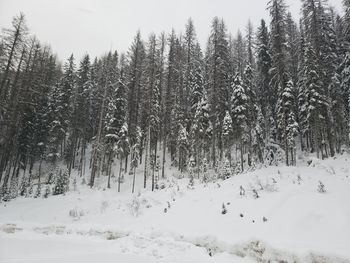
249, 98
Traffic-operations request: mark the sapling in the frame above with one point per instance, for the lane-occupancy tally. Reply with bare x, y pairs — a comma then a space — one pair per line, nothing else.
321, 188
38, 191
47, 191
30, 191
75, 185
299, 179
241, 191
224, 210
255, 194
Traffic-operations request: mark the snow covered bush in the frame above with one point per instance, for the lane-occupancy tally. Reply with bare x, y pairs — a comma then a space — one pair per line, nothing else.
321, 188
3, 193
75, 188
274, 154
62, 183
268, 187
38, 191
75, 213
255, 194
241, 191
104, 206
47, 191
204, 169
23, 188
224, 210
30, 190
13, 190
135, 206
225, 170
299, 179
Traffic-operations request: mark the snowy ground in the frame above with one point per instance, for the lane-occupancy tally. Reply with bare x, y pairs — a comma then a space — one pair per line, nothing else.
302, 225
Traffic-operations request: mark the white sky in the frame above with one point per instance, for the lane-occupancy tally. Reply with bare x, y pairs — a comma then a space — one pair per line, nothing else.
97, 26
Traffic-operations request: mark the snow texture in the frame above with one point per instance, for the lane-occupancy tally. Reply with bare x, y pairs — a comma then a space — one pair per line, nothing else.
291, 221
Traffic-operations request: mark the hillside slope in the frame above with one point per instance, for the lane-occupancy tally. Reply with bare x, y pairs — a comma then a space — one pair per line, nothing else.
290, 221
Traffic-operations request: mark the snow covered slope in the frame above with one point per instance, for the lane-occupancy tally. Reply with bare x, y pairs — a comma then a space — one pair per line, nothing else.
290, 221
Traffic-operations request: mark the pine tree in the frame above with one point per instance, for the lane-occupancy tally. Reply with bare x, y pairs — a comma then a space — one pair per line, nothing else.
168, 99
258, 134
249, 86
217, 80
61, 109
264, 93
292, 125
239, 112
346, 22
292, 49
62, 183
240, 54
321, 41
191, 66
115, 119
279, 73
250, 44
82, 107
201, 131
345, 83
122, 149
182, 146
227, 135
12, 43
134, 80
314, 99
135, 157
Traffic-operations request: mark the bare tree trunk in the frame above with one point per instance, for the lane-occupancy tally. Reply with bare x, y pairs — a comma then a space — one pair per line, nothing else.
120, 173
242, 157
146, 157
126, 164
133, 180
109, 170
12, 53
163, 162
213, 150
154, 165
286, 151
98, 138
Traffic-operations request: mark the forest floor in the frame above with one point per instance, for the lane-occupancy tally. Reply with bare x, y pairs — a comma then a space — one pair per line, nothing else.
291, 221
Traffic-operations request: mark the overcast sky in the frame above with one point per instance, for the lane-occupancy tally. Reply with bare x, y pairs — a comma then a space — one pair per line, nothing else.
97, 26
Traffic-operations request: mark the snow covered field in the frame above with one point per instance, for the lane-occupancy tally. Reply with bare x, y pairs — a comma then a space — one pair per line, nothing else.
291, 221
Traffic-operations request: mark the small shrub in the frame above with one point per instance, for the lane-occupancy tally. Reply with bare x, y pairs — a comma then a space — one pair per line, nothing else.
321, 188
75, 188
135, 206
224, 210
241, 191
299, 179
47, 191
38, 191
255, 194
62, 183
104, 206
